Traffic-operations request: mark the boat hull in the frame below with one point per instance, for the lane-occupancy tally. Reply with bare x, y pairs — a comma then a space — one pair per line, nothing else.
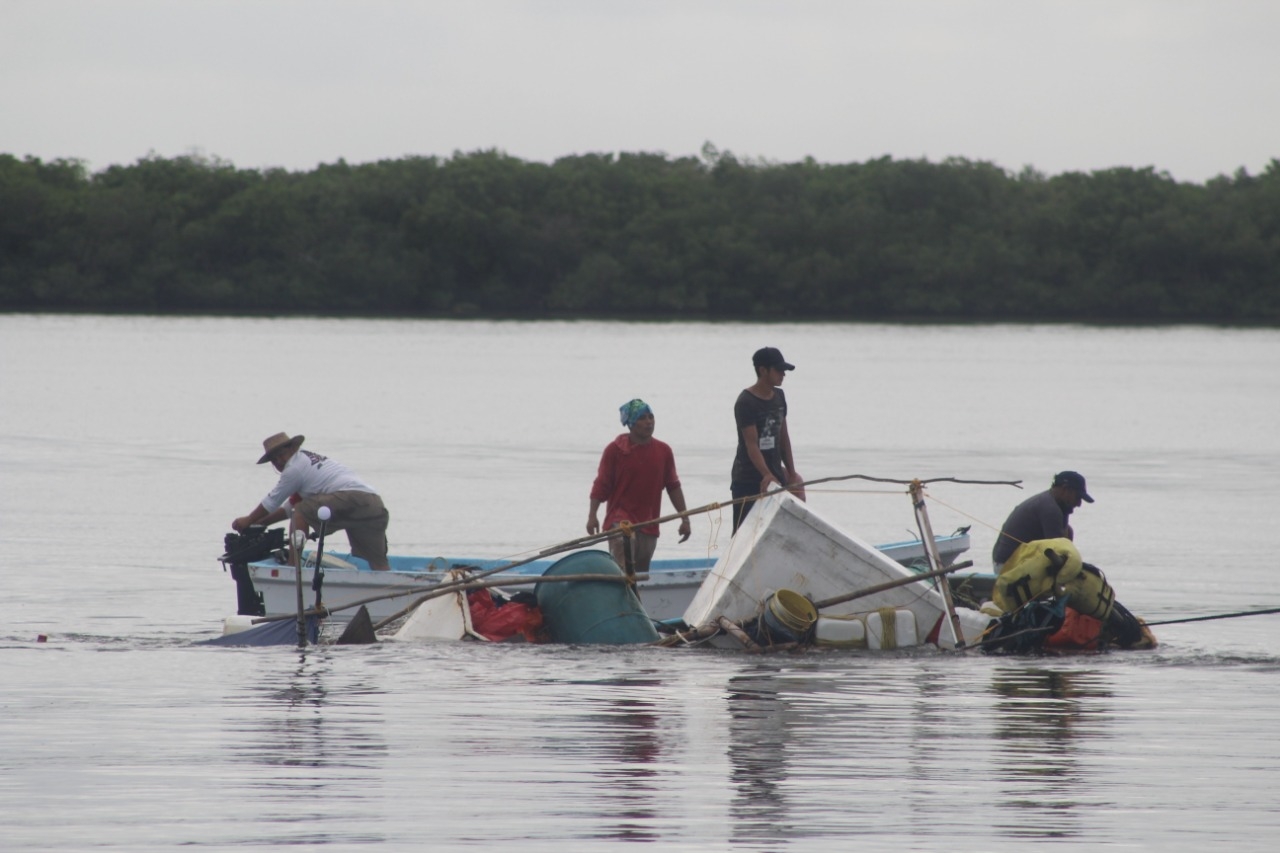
666, 594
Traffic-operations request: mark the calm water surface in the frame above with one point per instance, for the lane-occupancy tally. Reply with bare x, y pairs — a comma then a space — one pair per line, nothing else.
127, 446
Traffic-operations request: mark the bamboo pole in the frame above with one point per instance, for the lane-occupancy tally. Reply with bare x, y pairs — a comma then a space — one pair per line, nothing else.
1017, 484
733, 630
299, 538
888, 585
931, 550
580, 542
467, 586
604, 535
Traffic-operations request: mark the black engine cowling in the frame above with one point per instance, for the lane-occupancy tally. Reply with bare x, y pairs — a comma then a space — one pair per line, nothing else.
241, 549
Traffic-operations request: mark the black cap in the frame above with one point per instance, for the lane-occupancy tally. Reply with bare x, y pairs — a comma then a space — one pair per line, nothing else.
1073, 480
771, 357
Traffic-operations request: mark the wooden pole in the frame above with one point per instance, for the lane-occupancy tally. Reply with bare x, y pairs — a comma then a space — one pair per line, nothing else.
729, 627
467, 586
935, 562
473, 582
596, 538
317, 579
887, 585
580, 542
299, 539
629, 556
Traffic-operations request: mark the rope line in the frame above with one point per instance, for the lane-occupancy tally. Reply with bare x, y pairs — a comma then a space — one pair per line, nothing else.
976, 519
720, 505
1218, 616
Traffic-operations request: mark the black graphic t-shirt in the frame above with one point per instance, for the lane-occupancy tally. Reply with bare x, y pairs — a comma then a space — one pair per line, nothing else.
767, 416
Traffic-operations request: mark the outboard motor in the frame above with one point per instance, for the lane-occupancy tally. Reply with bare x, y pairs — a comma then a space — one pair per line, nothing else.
241, 549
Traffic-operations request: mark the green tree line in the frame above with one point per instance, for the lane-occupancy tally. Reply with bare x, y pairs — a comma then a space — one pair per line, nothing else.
640, 235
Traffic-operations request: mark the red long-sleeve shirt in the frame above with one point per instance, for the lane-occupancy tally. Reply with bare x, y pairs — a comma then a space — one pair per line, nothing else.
631, 479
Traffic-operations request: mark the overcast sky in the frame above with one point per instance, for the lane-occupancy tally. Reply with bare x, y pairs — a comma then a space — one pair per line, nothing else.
1188, 87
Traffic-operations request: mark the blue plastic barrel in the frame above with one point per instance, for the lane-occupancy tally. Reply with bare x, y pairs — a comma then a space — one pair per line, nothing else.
790, 616
592, 612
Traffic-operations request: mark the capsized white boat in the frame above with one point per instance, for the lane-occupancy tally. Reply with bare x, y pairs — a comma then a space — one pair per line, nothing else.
785, 544
268, 585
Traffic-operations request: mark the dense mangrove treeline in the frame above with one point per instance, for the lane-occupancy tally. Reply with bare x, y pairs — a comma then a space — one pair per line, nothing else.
640, 235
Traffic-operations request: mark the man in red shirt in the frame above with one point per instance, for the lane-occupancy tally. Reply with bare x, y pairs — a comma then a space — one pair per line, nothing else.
634, 469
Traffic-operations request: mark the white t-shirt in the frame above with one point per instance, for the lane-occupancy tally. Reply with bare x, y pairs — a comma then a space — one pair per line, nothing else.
308, 474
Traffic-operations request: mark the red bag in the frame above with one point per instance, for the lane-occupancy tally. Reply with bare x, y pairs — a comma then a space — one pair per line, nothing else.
1078, 631
502, 623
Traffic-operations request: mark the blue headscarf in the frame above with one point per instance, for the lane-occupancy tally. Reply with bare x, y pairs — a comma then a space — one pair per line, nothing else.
633, 411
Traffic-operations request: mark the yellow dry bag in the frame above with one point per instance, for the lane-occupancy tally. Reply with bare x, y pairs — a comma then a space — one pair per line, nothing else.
1036, 569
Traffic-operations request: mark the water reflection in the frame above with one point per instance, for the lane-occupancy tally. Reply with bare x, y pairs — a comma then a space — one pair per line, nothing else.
306, 731
631, 756
617, 733
760, 717
1042, 718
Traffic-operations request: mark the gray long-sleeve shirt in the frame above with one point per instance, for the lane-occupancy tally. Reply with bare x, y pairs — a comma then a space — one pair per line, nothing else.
1038, 517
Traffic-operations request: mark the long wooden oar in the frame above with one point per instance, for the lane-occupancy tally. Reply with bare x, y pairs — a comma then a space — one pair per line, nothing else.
595, 538
417, 590
893, 584
580, 542
436, 590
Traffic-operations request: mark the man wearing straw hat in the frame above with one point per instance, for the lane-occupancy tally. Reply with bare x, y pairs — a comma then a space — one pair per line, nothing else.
309, 481
634, 469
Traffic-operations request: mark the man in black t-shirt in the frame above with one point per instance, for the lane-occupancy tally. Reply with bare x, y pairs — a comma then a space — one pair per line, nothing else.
764, 457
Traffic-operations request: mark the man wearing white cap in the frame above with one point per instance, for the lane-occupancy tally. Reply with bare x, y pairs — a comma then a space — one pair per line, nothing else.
309, 481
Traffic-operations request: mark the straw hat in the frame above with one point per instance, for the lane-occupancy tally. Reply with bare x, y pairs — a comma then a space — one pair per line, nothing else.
280, 441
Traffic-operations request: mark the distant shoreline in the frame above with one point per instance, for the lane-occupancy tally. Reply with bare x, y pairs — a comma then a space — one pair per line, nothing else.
641, 237
653, 320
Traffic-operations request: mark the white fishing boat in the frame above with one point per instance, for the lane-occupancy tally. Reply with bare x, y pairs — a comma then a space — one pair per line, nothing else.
268, 585
788, 578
